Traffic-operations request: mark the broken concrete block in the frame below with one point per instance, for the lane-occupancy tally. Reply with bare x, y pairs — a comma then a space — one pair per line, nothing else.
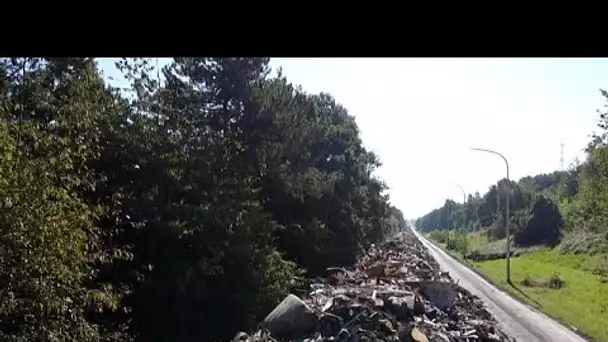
440, 294
292, 317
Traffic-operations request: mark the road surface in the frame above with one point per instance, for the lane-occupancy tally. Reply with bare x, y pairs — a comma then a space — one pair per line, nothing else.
516, 319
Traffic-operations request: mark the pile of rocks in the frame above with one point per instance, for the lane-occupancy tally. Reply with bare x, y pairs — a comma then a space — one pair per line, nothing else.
395, 293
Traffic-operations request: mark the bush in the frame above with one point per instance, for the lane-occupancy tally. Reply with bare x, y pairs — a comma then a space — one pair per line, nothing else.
555, 282
544, 225
440, 236
582, 241
458, 242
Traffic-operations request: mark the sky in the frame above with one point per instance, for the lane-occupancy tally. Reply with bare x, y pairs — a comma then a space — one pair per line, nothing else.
422, 116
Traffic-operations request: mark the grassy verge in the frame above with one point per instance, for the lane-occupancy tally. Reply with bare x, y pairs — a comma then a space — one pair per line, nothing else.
454, 254
582, 304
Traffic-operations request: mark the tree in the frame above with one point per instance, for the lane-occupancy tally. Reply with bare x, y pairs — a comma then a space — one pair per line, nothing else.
543, 226
50, 110
170, 212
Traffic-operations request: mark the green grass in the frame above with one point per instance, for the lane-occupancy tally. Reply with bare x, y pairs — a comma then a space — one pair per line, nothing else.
582, 303
478, 241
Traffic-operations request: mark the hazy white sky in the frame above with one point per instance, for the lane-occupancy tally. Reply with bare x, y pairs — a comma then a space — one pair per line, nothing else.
422, 115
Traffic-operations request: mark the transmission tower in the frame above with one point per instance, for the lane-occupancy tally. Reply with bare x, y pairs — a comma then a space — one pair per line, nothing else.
561, 156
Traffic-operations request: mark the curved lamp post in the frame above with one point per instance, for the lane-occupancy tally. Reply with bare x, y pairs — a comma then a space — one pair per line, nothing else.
508, 248
464, 201
464, 196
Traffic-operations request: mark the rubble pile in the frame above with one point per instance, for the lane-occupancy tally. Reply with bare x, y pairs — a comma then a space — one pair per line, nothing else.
395, 293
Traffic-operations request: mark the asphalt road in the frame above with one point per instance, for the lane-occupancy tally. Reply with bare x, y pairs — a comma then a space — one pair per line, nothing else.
520, 321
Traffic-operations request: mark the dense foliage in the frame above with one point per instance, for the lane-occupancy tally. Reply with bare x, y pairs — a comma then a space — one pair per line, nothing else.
569, 206
543, 226
181, 211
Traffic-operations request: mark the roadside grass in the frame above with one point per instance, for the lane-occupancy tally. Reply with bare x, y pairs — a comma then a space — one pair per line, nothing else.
477, 242
581, 305
583, 301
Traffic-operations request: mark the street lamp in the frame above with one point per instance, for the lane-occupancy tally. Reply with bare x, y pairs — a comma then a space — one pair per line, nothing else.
447, 218
464, 202
464, 196
508, 249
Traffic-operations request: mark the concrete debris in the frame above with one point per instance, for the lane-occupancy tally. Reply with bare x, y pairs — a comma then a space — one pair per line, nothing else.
395, 293
292, 317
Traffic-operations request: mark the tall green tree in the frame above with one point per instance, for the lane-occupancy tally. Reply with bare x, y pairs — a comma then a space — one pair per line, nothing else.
51, 111
183, 208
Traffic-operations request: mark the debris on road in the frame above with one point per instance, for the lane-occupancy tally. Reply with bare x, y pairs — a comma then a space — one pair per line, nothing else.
395, 293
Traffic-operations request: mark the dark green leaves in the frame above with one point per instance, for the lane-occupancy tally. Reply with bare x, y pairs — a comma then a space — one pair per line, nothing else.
181, 211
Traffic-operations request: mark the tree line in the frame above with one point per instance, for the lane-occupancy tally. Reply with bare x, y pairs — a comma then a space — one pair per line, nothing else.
181, 210
568, 207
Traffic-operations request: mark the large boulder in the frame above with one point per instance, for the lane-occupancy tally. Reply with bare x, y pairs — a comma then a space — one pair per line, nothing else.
291, 318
